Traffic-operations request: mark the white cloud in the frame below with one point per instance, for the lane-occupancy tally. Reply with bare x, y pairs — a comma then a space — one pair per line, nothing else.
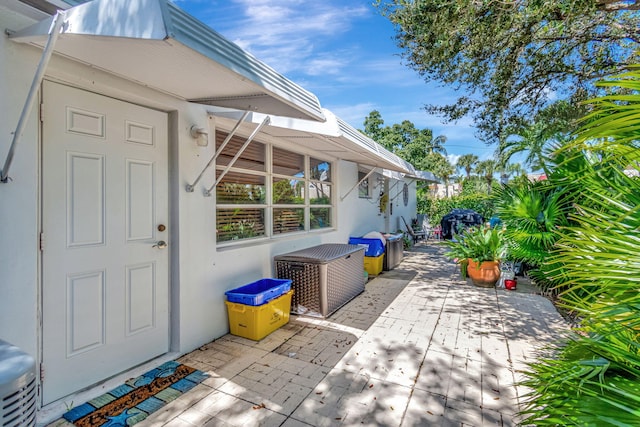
341, 51
288, 34
325, 65
453, 158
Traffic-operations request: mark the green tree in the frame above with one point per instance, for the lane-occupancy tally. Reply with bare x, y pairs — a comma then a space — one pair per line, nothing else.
511, 58
508, 170
404, 139
537, 138
444, 170
373, 128
467, 162
486, 169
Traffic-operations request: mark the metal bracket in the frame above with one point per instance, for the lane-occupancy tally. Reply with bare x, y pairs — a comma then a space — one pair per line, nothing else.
395, 184
191, 187
358, 184
266, 121
54, 32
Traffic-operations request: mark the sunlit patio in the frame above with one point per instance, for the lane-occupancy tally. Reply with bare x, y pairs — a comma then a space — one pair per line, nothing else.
420, 347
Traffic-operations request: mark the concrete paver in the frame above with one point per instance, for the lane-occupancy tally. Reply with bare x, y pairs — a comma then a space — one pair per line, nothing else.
420, 347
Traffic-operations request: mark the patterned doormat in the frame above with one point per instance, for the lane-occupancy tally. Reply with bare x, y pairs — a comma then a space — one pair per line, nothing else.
134, 400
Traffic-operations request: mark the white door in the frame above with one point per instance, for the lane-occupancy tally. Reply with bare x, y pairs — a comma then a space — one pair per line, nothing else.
105, 304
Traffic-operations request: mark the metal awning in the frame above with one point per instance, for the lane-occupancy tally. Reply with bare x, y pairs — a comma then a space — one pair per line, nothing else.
155, 43
424, 176
334, 137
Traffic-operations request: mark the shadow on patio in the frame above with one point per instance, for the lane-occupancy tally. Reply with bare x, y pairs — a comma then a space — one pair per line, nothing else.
419, 347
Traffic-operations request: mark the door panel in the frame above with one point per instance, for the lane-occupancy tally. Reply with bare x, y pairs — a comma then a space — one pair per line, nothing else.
105, 304
85, 199
140, 298
85, 313
140, 203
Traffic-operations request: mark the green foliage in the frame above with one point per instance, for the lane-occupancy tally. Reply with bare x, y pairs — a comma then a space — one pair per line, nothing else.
477, 243
467, 162
284, 193
532, 213
407, 242
474, 185
229, 192
486, 169
414, 145
594, 378
550, 127
436, 208
481, 203
238, 227
507, 56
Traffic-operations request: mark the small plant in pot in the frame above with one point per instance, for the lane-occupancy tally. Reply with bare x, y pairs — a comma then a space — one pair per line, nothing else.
478, 250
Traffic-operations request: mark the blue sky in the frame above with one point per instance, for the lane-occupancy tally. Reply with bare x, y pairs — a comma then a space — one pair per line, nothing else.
341, 50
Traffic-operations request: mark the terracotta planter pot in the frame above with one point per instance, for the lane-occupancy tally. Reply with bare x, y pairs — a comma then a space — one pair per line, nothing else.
486, 275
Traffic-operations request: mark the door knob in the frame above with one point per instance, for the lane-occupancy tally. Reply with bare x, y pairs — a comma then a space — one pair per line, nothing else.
160, 245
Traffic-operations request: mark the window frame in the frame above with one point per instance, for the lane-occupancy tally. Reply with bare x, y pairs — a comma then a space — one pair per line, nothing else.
270, 207
366, 184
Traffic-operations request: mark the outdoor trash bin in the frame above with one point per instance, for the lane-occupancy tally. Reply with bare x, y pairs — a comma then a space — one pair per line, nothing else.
324, 277
373, 264
394, 251
259, 292
373, 247
256, 322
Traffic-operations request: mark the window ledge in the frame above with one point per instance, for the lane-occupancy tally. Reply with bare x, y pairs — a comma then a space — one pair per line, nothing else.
245, 243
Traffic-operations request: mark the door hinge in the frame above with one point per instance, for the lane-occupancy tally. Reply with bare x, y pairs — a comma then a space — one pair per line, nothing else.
42, 112
41, 372
41, 243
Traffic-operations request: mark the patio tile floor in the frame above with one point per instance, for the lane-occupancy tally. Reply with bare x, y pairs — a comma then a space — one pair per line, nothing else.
420, 347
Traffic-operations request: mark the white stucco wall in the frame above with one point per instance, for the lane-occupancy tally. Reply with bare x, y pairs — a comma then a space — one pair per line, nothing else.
18, 199
200, 272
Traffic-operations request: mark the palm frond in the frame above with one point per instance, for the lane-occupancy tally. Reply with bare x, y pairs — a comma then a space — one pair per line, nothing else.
594, 379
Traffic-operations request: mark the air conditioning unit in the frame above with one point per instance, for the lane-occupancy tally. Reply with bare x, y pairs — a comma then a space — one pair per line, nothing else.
17, 387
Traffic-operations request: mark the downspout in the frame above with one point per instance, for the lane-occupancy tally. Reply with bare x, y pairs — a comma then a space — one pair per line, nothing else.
54, 32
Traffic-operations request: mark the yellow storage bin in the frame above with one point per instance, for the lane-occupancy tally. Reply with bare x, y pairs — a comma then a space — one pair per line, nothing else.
373, 264
256, 322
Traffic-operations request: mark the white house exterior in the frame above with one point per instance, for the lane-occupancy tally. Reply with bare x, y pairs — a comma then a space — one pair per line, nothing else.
112, 252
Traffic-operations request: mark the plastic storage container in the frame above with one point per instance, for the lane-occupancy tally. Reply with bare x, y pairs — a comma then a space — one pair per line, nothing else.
259, 292
256, 322
373, 247
373, 264
325, 277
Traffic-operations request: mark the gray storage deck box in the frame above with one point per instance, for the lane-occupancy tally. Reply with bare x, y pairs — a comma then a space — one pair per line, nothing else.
324, 277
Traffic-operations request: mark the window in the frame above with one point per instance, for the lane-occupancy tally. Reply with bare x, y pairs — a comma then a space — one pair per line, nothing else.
363, 189
320, 194
258, 198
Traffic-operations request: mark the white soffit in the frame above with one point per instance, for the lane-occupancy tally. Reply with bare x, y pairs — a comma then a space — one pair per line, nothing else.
334, 137
156, 44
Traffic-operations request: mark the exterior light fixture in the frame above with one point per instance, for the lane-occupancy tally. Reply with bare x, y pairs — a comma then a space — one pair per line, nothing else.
200, 135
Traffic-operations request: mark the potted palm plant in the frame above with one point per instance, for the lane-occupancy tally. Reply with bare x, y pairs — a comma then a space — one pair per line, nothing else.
478, 250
